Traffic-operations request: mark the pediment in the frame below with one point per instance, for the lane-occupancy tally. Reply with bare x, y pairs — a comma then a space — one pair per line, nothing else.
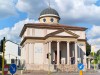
63, 32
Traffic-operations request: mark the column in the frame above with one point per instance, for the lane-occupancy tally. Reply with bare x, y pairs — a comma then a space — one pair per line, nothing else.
79, 50
26, 53
31, 53
58, 49
88, 63
44, 53
84, 55
68, 46
47, 51
76, 53
33, 31
50, 50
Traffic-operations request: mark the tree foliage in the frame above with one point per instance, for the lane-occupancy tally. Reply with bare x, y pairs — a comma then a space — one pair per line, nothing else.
98, 56
98, 52
88, 49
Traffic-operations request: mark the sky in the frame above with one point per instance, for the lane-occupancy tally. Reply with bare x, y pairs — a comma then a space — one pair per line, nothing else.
84, 13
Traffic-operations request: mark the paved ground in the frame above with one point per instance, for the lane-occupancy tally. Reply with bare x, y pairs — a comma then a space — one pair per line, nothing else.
57, 73
61, 74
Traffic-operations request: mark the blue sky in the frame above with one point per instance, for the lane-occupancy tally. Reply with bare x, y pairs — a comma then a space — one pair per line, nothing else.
15, 13
11, 20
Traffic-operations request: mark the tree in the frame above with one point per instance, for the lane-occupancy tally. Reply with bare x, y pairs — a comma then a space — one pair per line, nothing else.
98, 52
98, 56
88, 49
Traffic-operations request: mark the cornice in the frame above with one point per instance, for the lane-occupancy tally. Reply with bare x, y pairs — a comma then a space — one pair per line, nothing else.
51, 26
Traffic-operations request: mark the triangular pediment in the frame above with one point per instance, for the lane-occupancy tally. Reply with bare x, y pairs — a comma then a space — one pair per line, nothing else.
62, 32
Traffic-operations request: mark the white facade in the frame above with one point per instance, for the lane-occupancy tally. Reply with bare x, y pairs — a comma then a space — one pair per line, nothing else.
64, 44
35, 51
11, 52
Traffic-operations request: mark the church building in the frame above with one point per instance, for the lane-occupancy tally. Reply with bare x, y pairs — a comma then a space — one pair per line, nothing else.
49, 43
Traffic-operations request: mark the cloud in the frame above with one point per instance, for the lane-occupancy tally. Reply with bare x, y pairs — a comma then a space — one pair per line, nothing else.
13, 32
93, 36
7, 8
96, 43
79, 11
94, 32
71, 11
32, 7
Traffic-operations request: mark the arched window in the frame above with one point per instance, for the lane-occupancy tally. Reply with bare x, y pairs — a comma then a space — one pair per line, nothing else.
52, 20
44, 20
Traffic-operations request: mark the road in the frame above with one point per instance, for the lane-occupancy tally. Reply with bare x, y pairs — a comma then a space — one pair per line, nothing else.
62, 74
57, 73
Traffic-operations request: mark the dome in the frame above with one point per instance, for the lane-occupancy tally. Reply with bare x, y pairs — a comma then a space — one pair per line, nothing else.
49, 12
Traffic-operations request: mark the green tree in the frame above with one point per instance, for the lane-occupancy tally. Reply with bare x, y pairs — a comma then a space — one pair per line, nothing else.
88, 49
98, 56
94, 55
98, 52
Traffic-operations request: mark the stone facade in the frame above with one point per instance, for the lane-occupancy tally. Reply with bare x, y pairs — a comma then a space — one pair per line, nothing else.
65, 44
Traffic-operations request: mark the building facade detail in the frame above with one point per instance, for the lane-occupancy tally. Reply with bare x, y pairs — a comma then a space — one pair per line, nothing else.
48, 36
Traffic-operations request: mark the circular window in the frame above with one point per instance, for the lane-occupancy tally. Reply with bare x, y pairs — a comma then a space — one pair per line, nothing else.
52, 19
44, 20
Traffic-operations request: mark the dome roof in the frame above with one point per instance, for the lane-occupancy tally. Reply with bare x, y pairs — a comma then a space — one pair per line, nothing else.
49, 11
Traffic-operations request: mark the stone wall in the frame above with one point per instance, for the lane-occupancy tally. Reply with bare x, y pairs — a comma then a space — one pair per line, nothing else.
45, 67
67, 68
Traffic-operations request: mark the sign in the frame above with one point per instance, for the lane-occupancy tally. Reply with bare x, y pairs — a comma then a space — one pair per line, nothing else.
6, 69
80, 66
13, 68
